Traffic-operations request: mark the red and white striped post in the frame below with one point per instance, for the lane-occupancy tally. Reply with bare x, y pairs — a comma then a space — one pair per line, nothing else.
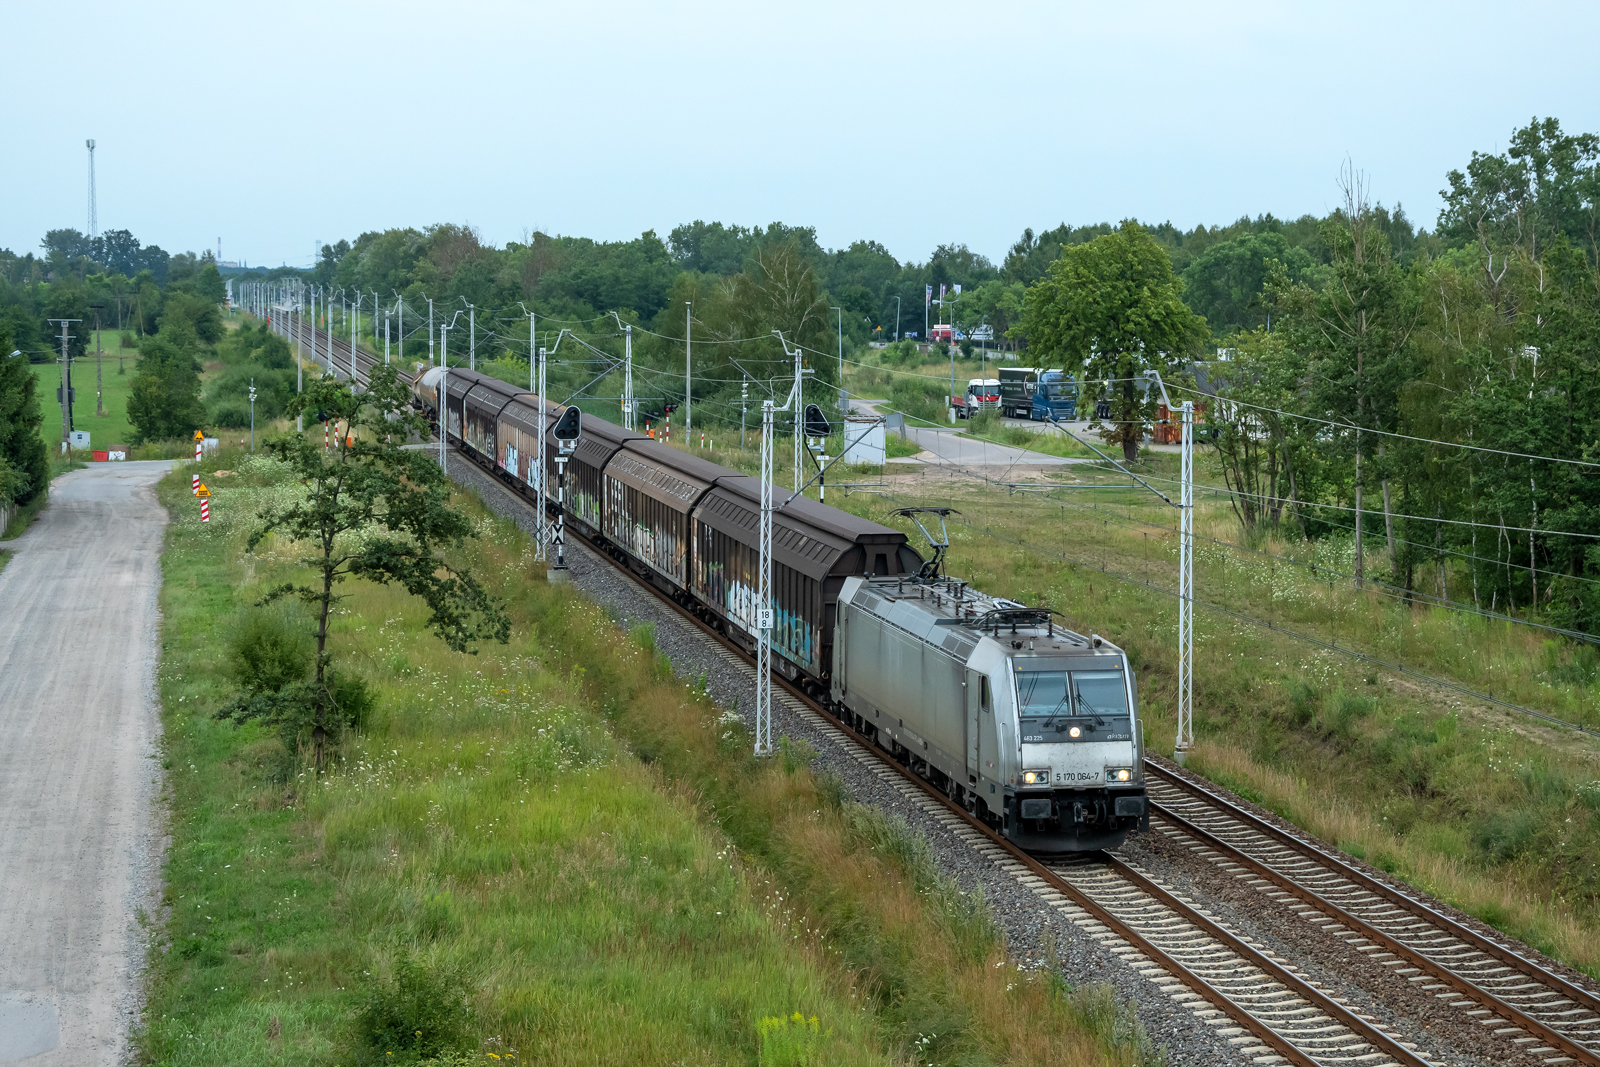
205, 510
195, 486
327, 436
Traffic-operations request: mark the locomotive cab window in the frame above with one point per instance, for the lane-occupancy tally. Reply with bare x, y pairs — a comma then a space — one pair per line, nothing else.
1058, 707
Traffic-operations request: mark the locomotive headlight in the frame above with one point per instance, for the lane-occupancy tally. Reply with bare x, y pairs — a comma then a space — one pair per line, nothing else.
1036, 777
1119, 774
1076, 731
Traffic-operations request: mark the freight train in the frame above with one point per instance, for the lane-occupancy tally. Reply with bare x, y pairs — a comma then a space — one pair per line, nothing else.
1030, 726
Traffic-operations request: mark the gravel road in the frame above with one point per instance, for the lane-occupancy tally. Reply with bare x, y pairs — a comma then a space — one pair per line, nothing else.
79, 837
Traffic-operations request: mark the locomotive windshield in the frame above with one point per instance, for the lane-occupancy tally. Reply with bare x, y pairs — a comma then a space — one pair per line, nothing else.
1058, 706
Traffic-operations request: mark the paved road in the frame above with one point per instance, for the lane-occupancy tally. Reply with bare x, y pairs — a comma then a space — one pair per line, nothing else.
943, 445
79, 850
948, 446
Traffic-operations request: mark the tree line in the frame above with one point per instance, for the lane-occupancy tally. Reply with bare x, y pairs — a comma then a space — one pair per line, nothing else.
1353, 355
167, 311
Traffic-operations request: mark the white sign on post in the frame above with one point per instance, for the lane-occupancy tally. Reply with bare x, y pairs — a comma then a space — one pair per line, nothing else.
763, 618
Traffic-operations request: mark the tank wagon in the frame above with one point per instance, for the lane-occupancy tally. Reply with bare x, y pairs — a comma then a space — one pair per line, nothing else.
1033, 727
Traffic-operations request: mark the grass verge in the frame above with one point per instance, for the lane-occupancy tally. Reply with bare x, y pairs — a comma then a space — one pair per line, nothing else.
551, 852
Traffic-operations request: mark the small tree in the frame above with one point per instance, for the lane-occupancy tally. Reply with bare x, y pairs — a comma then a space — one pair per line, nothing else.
164, 398
373, 510
1112, 309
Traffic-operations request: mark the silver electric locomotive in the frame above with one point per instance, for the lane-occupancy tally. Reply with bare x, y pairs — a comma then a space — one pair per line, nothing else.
1030, 725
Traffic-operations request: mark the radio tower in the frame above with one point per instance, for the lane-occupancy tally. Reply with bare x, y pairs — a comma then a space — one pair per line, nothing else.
93, 224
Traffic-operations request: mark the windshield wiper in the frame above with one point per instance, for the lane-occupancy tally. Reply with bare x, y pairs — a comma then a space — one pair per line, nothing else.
1092, 714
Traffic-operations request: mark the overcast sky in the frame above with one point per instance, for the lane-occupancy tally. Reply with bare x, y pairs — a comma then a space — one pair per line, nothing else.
275, 126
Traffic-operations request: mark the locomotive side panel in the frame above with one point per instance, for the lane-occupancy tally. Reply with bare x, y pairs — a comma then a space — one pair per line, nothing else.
911, 692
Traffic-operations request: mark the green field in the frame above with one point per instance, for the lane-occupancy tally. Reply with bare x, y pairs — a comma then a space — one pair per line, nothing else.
112, 428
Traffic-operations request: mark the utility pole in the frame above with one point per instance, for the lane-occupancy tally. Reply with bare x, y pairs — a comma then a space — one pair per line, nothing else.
533, 356
444, 395
99, 378
355, 327
1185, 738
844, 408
763, 612
385, 331
327, 307
897, 318
66, 387
628, 418
306, 292
400, 332
794, 407
429, 299
1186, 593
472, 338
252, 413
688, 381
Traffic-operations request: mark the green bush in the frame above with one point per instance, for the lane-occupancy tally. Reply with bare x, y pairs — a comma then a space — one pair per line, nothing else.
268, 651
415, 1012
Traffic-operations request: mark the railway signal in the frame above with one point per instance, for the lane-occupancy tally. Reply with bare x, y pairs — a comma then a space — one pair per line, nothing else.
566, 432
817, 431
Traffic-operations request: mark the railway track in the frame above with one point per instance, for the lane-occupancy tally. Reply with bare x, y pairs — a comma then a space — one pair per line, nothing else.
1537, 1010
1258, 1002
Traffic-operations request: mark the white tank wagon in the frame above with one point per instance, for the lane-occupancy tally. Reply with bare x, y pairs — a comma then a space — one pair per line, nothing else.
1031, 726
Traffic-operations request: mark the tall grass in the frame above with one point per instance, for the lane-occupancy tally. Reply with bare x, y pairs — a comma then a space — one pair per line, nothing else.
577, 841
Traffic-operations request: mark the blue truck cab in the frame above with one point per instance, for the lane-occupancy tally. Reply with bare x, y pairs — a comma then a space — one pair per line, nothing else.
1055, 396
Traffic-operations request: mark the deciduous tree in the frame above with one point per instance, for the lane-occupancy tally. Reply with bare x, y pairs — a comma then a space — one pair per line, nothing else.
372, 510
1111, 310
